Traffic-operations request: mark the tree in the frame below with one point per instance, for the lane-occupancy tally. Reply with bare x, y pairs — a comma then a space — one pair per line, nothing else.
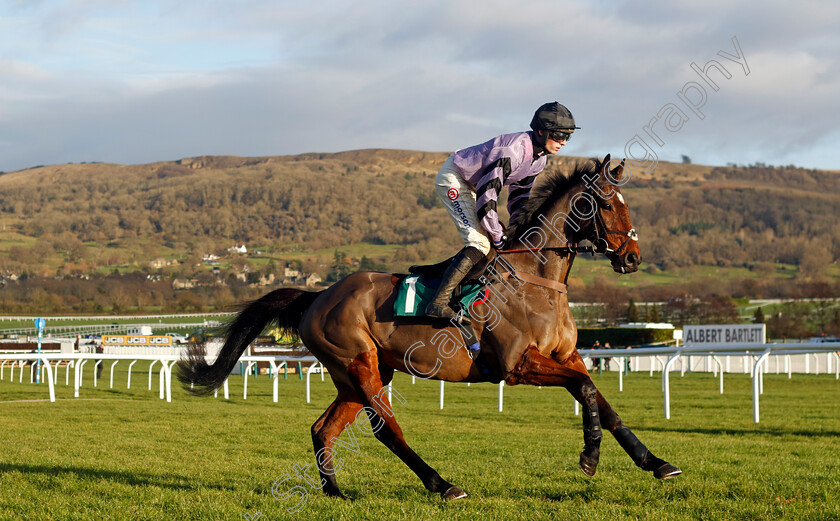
632, 312
654, 314
686, 160
367, 264
340, 267
758, 316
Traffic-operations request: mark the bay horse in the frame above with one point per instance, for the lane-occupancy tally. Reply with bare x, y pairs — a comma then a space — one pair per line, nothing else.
525, 327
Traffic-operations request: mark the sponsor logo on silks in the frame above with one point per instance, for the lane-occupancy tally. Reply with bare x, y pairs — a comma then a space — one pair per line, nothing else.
452, 193
460, 212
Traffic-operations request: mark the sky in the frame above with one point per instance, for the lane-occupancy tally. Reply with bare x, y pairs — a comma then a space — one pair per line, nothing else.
129, 82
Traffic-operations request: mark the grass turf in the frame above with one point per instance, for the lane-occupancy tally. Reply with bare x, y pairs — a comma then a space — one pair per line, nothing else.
124, 454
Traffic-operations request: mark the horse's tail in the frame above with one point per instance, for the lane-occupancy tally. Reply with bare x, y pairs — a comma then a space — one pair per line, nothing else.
282, 307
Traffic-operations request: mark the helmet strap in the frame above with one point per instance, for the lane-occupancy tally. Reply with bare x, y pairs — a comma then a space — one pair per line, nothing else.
539, 143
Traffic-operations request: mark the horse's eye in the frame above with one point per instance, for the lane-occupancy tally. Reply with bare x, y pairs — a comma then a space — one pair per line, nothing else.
607, 206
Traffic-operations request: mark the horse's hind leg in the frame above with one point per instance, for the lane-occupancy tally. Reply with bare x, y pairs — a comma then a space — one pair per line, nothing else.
366, 377
341, 413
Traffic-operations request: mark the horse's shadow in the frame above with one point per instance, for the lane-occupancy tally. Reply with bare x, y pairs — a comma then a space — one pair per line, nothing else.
586, 492
171, 481
760, 431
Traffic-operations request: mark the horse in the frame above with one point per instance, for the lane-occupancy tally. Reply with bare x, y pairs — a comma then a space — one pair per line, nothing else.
525, 327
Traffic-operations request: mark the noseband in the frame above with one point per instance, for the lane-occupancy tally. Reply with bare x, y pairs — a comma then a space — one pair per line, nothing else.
602, 245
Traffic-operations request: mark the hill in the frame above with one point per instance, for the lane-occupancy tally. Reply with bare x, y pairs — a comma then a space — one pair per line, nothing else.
774, 228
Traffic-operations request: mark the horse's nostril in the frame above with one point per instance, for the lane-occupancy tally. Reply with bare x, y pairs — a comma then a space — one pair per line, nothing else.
632, 259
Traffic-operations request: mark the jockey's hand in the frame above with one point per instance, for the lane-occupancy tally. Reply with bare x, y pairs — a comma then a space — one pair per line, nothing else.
500, 244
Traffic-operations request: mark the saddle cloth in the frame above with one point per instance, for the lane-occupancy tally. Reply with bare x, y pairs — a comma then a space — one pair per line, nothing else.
414, 293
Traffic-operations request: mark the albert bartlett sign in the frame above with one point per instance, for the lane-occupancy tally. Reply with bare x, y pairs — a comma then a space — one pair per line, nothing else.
725, 334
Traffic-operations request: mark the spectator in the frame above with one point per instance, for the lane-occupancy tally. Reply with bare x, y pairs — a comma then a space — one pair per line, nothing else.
627, 363
607, 360
596, 362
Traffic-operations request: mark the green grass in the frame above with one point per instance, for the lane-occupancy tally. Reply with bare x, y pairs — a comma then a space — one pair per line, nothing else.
6, 323
124, 454
587, 268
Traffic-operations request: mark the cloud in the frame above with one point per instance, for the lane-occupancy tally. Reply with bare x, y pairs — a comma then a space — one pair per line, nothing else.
146, 81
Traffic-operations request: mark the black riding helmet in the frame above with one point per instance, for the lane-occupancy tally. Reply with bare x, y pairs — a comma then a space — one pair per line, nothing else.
553, 117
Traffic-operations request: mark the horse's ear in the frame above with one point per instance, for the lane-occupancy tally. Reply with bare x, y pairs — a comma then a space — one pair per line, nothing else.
618, 172
605, 162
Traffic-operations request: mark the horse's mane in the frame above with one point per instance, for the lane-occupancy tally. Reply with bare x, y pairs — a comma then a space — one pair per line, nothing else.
552, 186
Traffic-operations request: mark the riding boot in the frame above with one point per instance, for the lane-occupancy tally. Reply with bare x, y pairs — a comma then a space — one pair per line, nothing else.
454, 274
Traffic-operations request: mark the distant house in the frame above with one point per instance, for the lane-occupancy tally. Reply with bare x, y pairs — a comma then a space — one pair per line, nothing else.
210, 259
312, 280
266, 280
158, 264
183, 283
289, 273
238, 249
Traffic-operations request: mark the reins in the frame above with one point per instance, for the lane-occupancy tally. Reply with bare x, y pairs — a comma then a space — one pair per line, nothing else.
558, 250
540, 281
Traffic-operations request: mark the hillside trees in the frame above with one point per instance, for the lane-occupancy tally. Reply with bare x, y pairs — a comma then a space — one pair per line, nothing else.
69, 220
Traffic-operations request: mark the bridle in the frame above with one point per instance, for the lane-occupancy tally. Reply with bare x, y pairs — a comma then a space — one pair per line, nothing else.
599, 245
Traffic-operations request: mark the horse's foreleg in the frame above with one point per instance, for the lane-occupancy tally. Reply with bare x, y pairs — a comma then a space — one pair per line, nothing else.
364, 374
591, 426
326, 430
641, 456
536, 369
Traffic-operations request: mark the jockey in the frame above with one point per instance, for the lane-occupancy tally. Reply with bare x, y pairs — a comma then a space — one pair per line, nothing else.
469, 184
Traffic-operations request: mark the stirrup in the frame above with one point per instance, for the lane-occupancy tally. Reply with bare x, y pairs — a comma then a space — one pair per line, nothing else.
462, 318
474, 350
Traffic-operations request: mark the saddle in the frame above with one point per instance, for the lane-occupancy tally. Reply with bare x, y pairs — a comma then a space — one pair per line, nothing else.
486, 363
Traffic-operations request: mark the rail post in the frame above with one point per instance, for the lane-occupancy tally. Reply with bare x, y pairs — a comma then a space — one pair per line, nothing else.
128, 384
50, 379
112, 372
719, 370
756, 383
666, 383
501, 394
308, 374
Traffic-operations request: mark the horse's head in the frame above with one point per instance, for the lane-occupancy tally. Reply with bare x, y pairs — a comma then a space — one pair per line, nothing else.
610, 229
587, 205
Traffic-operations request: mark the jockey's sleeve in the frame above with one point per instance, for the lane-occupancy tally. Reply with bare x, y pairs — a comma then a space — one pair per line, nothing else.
518, 194
487, 194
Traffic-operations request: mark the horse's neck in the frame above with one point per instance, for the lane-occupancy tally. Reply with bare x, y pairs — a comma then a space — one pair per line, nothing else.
547, 264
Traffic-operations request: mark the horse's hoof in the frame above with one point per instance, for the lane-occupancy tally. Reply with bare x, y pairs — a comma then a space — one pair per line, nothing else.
666, 471
588, 466
453, 492
334, 492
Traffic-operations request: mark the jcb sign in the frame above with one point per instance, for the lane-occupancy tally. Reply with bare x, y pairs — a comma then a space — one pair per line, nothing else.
136, 340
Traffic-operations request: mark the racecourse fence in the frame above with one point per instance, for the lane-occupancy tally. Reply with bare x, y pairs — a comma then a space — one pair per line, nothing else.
754, 357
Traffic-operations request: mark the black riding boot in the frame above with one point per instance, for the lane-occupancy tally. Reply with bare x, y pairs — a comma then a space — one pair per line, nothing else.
454, 274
